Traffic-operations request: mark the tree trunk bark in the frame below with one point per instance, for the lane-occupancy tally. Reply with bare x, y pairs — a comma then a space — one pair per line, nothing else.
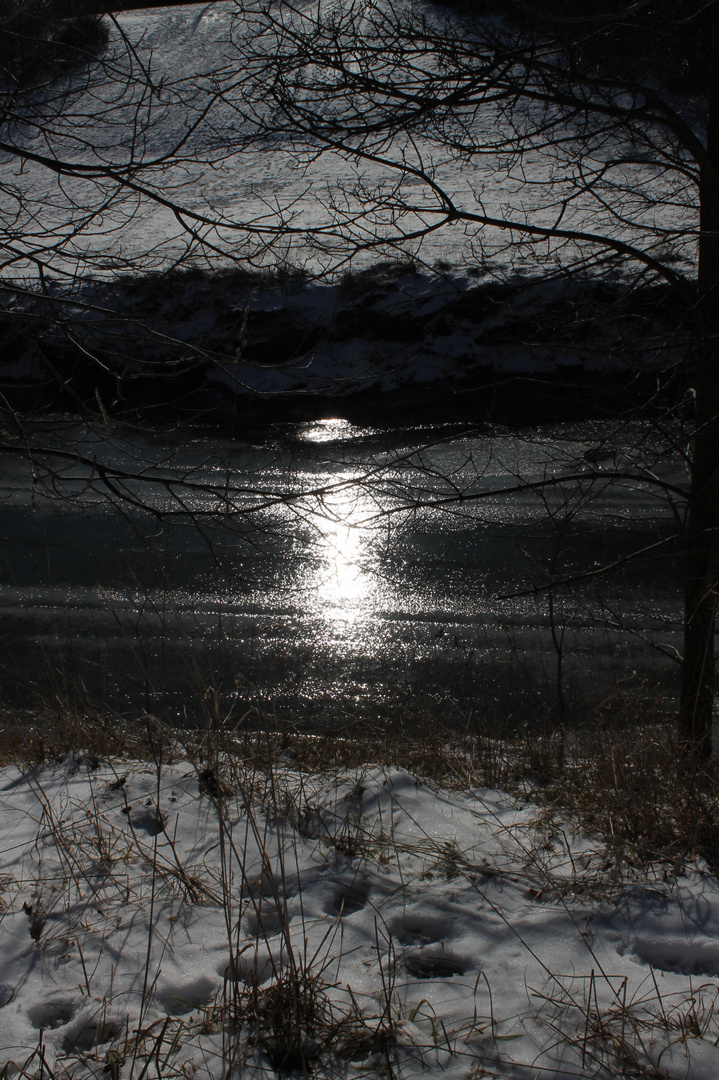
702, 566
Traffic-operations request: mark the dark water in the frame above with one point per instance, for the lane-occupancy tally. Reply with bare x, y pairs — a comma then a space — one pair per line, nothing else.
331, 573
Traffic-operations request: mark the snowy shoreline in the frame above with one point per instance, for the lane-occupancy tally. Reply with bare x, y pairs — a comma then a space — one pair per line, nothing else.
227, 919
389, 343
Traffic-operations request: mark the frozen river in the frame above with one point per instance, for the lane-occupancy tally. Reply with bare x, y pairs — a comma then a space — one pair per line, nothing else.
328, 572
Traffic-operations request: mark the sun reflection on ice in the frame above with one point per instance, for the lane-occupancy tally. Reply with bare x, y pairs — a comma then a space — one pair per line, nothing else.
345, 587
345, 584
320, 431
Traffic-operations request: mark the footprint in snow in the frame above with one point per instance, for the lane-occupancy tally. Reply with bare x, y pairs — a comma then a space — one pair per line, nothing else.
680, 957
419, 929
148, 819
347, 899
84, 1035
48, 1015
177, 999
263, 922
433, 964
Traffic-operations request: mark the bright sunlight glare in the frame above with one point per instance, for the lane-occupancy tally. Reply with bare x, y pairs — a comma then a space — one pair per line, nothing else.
344, 586
320, 431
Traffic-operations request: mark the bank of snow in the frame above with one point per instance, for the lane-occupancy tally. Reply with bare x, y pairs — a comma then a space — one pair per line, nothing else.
390, 340
218, 924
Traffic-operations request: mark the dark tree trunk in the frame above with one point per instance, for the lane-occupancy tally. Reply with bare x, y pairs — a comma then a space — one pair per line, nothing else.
700, 590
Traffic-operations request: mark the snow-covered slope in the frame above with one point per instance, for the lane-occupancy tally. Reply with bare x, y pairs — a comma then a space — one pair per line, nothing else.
171, 96
164, 112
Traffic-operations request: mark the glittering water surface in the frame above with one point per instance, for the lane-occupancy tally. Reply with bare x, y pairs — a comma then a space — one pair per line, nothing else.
328, 569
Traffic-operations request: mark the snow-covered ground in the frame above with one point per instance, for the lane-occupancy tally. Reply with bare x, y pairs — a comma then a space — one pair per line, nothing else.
169, 921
